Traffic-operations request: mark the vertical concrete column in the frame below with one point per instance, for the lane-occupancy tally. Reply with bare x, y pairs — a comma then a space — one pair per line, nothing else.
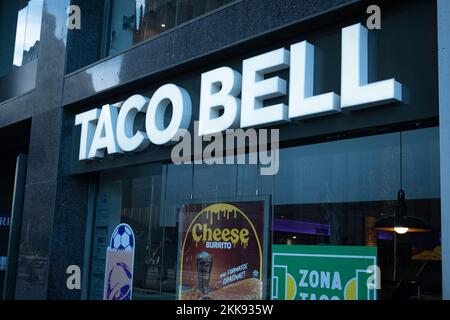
443, 13
44, 152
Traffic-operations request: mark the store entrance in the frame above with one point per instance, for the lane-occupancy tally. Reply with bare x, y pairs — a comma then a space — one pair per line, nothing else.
14, 145
134, 196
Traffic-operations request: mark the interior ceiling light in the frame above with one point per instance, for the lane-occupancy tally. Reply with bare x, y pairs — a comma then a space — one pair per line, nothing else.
400, 222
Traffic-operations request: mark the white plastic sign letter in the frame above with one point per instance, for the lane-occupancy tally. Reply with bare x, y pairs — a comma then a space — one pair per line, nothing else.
256, 89
219, 90
126, 138
302, 102
104, 136
181, 113
88, 124
356, 92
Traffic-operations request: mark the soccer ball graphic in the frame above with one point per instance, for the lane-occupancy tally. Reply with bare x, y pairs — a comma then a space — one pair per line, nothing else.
122, 238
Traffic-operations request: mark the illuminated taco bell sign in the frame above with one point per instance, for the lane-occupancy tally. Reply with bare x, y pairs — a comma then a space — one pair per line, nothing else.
229, 99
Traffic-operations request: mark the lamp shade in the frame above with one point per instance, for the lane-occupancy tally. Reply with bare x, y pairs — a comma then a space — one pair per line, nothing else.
413, 224
400, 222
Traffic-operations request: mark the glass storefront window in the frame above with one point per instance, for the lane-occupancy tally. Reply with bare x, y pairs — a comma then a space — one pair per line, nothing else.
134, 21
20, 31
131, 196
325, 194
333, 193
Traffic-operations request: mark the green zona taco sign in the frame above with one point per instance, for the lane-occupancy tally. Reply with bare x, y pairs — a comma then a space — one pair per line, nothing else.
323, 272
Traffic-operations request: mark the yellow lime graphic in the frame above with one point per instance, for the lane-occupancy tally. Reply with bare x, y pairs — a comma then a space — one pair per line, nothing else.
291, 287
350, 290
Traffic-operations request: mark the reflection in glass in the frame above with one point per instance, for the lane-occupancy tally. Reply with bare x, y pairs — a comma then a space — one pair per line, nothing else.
136, 196
106, 75
324, 194
28, 32
333, 193
134, 21
20, 36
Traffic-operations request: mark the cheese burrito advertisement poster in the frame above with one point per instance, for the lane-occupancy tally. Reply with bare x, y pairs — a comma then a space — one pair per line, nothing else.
222, 251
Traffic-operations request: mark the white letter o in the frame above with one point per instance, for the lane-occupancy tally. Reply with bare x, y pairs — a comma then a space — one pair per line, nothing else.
181, 113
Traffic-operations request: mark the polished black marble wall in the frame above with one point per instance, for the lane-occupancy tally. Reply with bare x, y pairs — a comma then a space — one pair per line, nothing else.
40, 208
84, 45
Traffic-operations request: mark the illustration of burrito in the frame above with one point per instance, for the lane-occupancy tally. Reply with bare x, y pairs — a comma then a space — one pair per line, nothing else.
248, 289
